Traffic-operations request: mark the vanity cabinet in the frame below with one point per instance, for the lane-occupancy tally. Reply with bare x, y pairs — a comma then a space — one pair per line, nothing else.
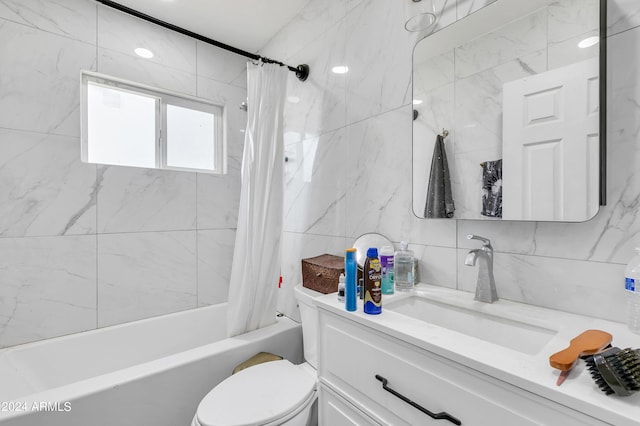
334, 410
352, 354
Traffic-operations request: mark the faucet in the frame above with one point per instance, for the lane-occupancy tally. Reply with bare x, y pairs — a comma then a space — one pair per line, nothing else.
486, 286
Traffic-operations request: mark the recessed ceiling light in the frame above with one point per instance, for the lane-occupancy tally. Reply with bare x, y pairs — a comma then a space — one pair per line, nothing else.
417, 101
588, 42
144, 53
293, 99
341, 69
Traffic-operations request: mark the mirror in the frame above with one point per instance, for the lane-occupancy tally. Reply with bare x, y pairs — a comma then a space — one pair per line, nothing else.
515, 87
364, 241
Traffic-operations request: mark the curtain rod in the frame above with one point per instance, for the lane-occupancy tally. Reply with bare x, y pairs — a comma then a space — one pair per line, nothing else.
302, 71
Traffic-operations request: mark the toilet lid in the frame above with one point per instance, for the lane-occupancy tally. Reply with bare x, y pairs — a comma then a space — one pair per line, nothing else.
257, 395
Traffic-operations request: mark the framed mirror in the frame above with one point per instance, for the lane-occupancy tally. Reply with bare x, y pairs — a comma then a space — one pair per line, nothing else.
509, 113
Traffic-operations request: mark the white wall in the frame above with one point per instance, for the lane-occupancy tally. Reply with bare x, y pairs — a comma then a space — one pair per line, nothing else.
349, 141
84, 246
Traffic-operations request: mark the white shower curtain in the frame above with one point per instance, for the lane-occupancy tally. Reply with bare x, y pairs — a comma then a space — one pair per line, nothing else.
256, 255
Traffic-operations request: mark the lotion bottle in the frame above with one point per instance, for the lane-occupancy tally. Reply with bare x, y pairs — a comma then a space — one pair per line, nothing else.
386, 262
372, 283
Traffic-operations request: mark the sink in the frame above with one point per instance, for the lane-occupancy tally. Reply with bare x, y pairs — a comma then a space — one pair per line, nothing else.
513, 334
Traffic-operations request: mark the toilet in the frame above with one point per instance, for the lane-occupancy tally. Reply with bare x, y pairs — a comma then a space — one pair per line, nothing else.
272, 393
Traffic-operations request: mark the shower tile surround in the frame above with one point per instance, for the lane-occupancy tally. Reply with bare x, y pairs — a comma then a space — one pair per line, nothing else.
84, 245
351, 169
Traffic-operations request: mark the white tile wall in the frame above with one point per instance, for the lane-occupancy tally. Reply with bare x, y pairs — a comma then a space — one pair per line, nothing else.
377, 82
141, 275
48, 287
215, 255
622, 15
572, 267
315, 176
85, 246
46, 190
132, 199
39, 85
70, 18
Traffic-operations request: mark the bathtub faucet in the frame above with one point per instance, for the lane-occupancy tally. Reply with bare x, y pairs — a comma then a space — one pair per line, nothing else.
486, 286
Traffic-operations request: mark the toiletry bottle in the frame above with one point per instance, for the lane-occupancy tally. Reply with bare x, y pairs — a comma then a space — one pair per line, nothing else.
632, 287
372, 283
386, 263
341, 282
351, 276
403, 268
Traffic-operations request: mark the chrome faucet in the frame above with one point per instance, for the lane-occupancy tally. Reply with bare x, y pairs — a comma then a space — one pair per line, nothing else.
486, 286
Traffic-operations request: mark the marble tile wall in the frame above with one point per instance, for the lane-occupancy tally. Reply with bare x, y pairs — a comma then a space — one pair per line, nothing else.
351, 168
84, 245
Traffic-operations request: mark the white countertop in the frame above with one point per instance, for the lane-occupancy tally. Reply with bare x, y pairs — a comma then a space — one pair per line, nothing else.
530, 372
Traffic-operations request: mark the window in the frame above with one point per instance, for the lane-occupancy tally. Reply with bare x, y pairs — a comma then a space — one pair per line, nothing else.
128, 124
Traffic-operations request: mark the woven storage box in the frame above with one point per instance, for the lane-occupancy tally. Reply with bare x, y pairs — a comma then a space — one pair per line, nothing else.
321, 273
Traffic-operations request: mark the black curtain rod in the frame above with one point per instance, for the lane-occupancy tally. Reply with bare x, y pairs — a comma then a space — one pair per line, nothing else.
302, 71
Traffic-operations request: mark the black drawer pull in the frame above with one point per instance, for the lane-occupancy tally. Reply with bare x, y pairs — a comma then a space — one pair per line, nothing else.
438, 416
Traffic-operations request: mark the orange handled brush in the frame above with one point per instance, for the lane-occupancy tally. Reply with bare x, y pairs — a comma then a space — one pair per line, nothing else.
586, 343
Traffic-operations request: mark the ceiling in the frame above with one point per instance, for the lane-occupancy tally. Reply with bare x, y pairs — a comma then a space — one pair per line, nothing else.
245, 24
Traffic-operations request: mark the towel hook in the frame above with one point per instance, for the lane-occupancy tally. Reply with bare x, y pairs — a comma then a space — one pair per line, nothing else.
445, 133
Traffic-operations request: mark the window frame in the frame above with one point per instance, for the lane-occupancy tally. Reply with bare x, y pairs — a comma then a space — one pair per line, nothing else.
163, 98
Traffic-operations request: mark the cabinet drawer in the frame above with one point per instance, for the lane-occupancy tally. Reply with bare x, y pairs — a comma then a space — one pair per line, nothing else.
351, 356
335, 411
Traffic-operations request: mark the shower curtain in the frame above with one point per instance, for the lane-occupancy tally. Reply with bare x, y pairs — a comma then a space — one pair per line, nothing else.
256, 255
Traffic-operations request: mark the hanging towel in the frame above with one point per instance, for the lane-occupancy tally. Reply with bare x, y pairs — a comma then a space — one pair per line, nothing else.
492, 188
439, 199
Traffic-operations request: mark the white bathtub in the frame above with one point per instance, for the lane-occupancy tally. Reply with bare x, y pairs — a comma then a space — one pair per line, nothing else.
149, 372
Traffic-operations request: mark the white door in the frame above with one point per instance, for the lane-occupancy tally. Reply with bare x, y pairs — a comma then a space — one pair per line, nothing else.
550, 145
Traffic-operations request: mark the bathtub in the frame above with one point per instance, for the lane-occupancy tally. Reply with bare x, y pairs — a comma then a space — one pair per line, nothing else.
149, 372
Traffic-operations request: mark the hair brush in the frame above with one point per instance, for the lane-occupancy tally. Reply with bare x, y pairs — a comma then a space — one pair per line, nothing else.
615, 370
586, 343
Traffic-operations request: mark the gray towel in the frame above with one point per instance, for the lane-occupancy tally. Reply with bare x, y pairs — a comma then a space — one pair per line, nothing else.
492, 188
439, 199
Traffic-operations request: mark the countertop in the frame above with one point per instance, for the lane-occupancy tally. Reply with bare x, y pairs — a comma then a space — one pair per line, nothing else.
530, 372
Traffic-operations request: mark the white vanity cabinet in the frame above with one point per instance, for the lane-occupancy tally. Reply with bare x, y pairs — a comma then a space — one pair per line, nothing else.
352, 354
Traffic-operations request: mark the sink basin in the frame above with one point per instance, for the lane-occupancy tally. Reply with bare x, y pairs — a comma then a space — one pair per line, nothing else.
517, 335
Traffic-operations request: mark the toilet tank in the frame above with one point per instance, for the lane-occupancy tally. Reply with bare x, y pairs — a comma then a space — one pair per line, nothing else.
309, 318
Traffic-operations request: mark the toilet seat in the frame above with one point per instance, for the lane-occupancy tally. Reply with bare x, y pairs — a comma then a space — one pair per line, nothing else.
260, 395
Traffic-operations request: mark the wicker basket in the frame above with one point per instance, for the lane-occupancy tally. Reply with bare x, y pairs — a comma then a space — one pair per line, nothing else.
321, 273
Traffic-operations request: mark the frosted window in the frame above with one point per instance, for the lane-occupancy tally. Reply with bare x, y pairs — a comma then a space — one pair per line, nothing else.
121, 127
190, 138
131, 124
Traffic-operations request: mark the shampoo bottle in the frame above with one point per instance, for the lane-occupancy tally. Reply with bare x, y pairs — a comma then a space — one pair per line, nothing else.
372, 283
351, 275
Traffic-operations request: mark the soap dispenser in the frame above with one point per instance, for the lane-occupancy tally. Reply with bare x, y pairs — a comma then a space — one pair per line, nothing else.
403, 265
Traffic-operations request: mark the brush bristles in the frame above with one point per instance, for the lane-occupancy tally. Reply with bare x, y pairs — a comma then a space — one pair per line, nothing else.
627, 364
597, 377
616, 371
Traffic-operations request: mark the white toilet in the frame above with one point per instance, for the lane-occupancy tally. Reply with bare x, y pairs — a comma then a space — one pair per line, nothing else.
272, 393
